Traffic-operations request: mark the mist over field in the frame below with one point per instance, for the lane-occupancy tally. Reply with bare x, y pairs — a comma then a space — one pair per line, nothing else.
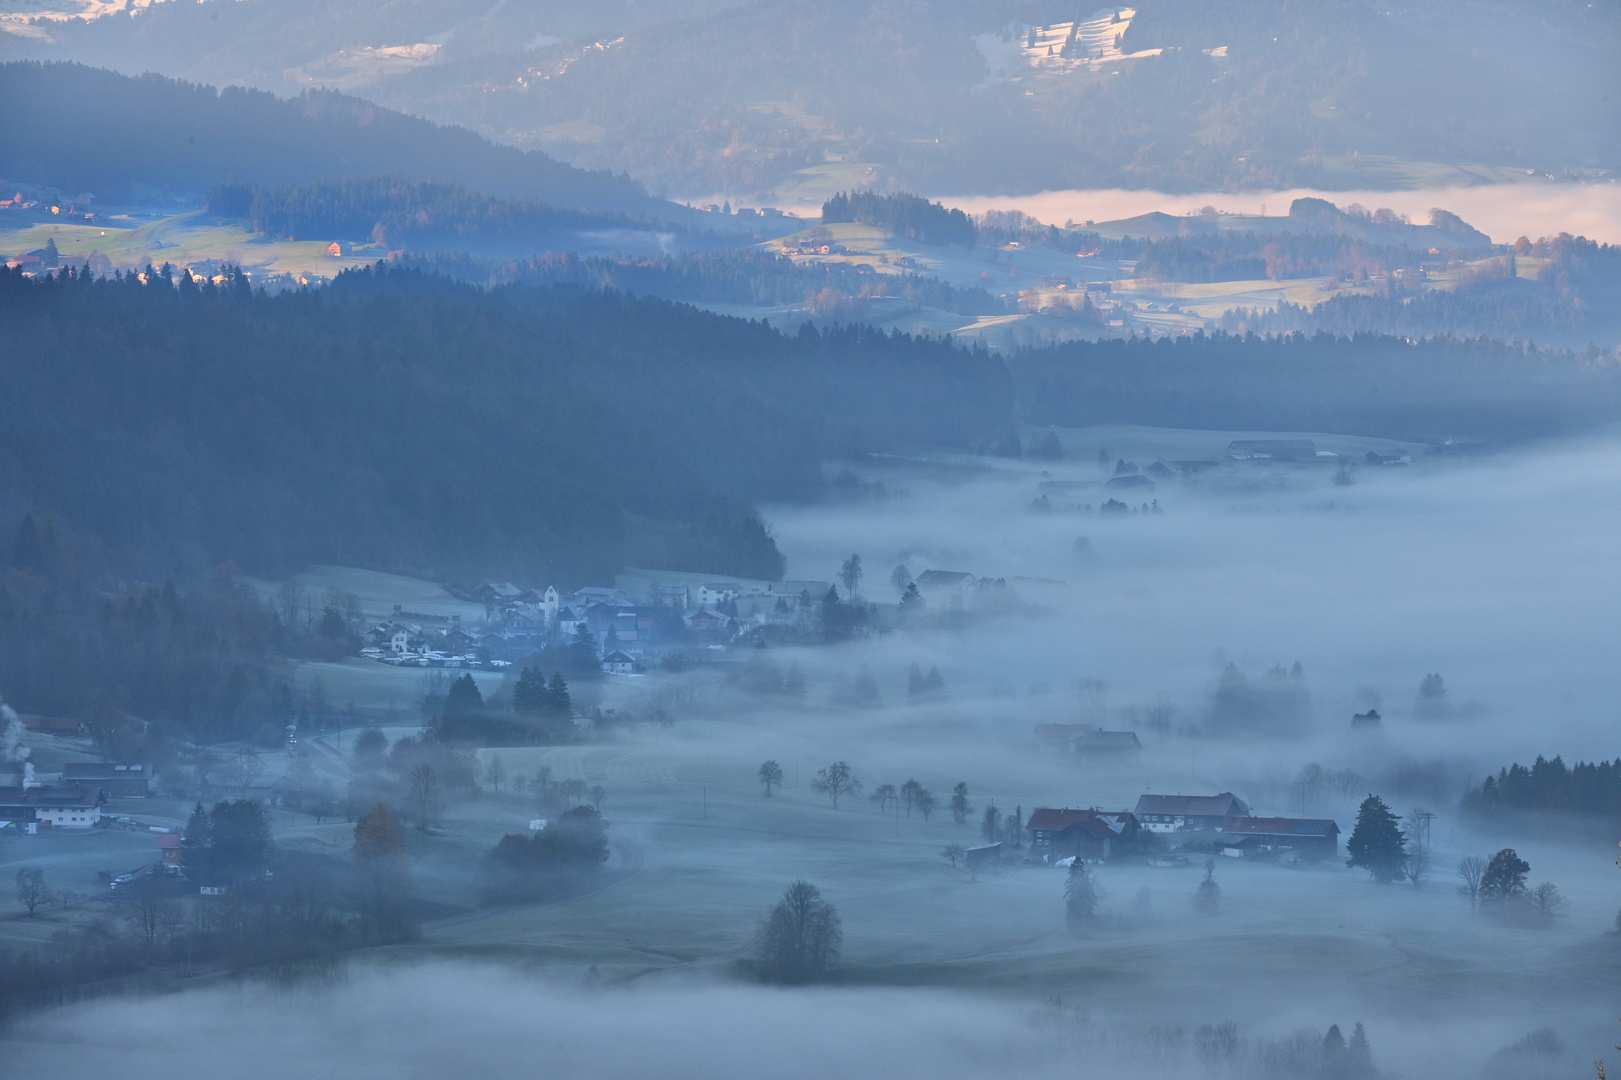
810, 538
431, 1020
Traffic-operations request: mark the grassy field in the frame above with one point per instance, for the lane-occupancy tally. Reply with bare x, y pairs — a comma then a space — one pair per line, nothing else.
184, 239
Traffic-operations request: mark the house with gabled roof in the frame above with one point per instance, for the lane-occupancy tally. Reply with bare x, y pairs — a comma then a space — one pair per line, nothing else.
1086, 834
1189, 813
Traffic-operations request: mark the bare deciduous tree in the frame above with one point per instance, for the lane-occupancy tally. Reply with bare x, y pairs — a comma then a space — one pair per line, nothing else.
883, 795
799, 938
423, 795
31, 890
1471, 870
1547, 901
770, 775
495, 773
953, 853
836, 781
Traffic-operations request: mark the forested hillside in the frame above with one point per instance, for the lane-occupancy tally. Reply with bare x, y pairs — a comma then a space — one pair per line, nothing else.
401, 421
420, 214
738, 276
122, 137
1568, 293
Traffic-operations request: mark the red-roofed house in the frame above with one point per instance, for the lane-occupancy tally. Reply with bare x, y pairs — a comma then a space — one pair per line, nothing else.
169, 847
1089, 834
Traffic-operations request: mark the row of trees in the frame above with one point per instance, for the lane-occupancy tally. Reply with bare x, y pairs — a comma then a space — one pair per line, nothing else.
1550, 786
838, 781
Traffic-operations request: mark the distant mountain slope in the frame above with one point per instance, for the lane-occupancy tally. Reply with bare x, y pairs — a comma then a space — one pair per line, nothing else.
117, 136
942, 96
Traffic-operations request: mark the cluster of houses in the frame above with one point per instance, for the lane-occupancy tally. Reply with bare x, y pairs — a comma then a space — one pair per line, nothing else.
1220, 823
629, 633
75, 800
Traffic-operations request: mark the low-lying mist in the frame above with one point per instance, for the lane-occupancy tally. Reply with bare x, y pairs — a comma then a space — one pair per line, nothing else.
458, 1019
1495, 572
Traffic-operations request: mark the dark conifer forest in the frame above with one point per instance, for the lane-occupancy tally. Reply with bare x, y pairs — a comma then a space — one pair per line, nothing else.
403, 421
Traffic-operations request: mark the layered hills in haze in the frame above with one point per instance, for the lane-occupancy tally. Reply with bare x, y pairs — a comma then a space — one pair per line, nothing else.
938, 95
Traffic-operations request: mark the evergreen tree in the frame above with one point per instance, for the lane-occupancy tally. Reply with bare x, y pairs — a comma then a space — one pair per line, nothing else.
1334, 1055
934, 682
463, 700
196, 844
1359, 1056
241, 839
959, 802
529, 696
582, 651
990, 825
911, 599
1376, 843
558, 702
1081, 895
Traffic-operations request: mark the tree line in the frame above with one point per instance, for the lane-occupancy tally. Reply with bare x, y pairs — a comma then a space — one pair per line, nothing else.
1587, 788
902, 214
398, 212
737, 276
1371, 384
515, 432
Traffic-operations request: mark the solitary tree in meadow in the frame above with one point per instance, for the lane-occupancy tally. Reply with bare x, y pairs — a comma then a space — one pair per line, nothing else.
770, 776
836, 781
1376, 843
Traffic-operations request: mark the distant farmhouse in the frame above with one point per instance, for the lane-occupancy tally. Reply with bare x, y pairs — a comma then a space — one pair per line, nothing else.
1314, 838
51, 806
1189, 813
1087, 741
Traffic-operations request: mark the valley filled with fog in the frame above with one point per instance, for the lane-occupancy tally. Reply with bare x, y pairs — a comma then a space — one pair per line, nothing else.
1494, 570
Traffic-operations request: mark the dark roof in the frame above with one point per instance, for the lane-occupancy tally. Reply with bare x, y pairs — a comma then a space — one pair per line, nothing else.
1299, 446
104, 770
1281, 826
49, 796
1099, 823
1109, 740
1224, 805
931, 578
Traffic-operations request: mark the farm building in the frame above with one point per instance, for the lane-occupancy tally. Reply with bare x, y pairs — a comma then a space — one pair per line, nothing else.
115, 781
1088, 834
1108, 746
1189, 813
1314, 838
51, 806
